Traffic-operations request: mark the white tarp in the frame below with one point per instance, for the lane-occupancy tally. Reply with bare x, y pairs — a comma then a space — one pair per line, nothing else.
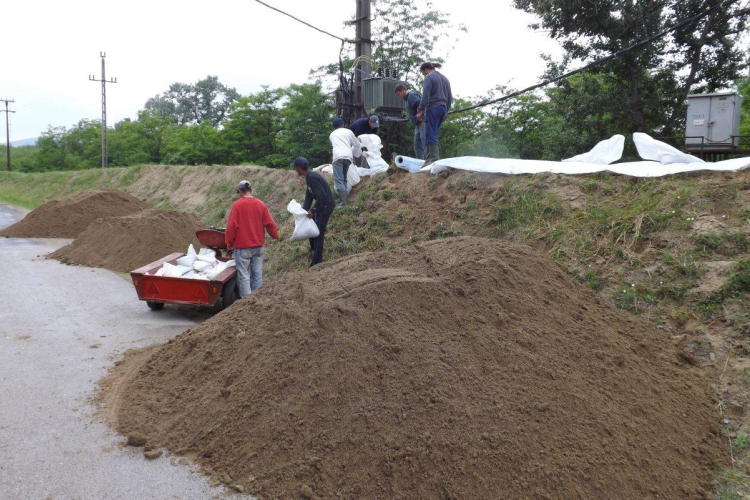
635, 169
604, 153
651, 149
661, 159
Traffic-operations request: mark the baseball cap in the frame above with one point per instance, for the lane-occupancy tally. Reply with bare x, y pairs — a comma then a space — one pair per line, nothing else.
301, 163
338, 122
243, 186
375, 121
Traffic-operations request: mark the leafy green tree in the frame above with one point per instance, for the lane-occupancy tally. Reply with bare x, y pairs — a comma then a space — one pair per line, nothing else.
193, 145
648, 86
251, 128
128, 144
306, 118
744, 88
192, 103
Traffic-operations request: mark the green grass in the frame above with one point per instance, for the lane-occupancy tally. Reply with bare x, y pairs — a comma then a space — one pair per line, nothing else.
31, 190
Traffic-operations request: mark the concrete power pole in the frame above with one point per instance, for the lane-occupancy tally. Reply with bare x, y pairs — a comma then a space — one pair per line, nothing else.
363, 48
7, 128
104, 108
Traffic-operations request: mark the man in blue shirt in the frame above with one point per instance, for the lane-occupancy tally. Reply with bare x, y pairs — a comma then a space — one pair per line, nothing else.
413, 99
366, 125
437, 99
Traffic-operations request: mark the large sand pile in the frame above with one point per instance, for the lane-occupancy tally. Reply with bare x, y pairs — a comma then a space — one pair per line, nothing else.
69, 217
457, 369
129, 242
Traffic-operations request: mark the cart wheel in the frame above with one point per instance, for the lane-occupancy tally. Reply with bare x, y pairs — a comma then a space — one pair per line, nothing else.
155, 306
229, 293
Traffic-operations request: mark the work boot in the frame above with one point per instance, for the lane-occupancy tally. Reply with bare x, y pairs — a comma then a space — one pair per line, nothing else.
433, 154
344, 196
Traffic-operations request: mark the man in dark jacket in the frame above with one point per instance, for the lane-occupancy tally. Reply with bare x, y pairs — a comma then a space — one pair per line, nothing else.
437, 99
366, 125
319, 204
413, 99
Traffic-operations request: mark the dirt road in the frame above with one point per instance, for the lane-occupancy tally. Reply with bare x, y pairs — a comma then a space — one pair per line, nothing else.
61, 327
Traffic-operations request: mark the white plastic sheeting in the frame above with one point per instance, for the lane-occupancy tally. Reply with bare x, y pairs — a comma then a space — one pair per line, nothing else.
411, 165
604, 153
635, 169
651, 149
661, 159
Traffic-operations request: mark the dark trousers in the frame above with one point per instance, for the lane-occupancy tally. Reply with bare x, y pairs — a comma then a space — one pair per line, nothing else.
316, 244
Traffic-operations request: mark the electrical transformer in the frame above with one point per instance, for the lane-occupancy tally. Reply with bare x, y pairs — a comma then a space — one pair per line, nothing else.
713, 120
380, 97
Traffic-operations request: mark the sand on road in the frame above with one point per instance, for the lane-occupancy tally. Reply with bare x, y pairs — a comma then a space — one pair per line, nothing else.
61, 328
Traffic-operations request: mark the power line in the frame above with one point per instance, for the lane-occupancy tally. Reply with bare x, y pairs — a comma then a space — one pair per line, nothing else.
105, 158
344, 40
7, 127
601, 61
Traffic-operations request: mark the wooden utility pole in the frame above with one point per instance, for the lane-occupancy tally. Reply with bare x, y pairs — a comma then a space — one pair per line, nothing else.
104, 81
7, 128
363, 49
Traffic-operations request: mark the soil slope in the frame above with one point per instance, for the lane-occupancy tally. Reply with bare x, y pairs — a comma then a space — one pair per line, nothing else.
129, 242
69, 217
455, 369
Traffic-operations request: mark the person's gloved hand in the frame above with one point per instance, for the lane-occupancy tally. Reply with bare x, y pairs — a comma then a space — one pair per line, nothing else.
364, 150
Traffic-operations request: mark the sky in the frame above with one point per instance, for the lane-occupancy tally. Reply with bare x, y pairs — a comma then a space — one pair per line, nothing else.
52, 47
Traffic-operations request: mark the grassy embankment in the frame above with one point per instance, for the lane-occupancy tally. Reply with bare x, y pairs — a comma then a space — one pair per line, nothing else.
674, 250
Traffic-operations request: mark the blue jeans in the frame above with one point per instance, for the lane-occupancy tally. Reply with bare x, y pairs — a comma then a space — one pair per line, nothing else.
419, 141
340, 169
433, 120
249, 262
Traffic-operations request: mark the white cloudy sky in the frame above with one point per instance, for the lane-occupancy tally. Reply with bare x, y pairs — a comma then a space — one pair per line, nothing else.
52, 47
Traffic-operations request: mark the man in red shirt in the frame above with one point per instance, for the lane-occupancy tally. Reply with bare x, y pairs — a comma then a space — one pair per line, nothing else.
245, 235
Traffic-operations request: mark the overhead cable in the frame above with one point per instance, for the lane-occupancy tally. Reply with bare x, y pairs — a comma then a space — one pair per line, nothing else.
343, 40
601, 61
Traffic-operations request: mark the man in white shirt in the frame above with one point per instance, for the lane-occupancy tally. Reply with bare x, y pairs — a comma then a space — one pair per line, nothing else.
345, 148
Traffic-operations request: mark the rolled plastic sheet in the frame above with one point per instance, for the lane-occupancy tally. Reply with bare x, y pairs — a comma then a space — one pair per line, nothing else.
411, 165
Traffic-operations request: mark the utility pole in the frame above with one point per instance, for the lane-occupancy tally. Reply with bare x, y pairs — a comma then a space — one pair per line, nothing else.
7, 127
104, 108
363, 49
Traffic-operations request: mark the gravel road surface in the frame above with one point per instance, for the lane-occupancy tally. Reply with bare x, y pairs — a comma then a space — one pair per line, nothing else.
61, 328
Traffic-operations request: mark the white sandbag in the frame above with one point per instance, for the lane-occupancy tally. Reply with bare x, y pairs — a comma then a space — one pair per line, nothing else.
172, 271
191, 251
207, 255
160, 272
352, 177
304, 227
324, 169
411, 165
202, 266
375, 161
220, 268
604, 153
651, 149
187, 260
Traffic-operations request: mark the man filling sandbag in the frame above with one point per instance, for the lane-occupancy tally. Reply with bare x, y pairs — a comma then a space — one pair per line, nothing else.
318, 203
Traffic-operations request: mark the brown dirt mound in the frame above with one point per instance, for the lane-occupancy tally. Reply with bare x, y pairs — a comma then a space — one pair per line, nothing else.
129, 242
455, 369
70, 217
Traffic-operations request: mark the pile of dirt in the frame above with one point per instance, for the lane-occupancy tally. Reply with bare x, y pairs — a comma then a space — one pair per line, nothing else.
69, 217
455, 369
129, 242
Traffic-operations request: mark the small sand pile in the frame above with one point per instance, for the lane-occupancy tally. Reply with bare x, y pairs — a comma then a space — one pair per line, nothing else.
69, 217
455, 369
129, 242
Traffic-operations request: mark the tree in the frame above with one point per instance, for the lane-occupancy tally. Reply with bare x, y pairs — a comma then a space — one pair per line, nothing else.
648, 86
188, 103
252, 125
306, 117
